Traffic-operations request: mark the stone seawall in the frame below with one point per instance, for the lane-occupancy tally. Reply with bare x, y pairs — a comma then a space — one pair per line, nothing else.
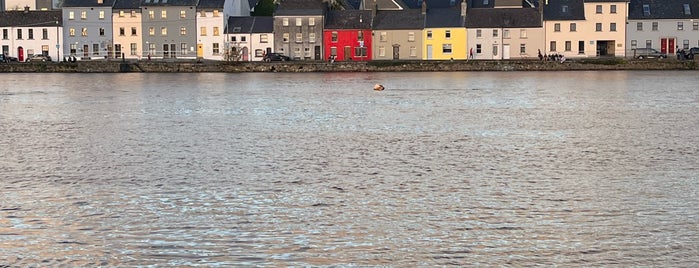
373, 66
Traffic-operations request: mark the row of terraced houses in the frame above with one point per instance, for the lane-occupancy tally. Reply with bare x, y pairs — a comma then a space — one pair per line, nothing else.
356, 30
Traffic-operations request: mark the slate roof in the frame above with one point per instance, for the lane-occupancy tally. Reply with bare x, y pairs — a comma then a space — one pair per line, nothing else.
127, 4
210, 4
399, 19
503, 18
250, 24
300, 8
348, 19
168, 2
444, 17
387, 4
604, 1
481, 3
253, 3
666, 9
574, 10
31, 18
87, 3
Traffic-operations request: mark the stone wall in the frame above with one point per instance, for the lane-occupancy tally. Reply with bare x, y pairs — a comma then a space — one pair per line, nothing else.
373, 66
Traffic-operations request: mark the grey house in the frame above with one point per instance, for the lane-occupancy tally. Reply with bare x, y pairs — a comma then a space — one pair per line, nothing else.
298, 29
667, 25
169, 28
87, 28
397, 34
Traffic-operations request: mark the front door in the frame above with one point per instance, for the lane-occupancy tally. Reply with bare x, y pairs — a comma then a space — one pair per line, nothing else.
317, 52
86, 51
663, 45
396, 52
506, 51
166, 51
200, 50
348, 53
20, 54
671, 45
429, 52
117, 50
173, 51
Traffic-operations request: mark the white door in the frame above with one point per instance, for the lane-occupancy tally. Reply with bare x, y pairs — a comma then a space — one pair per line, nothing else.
506, 52
429, 52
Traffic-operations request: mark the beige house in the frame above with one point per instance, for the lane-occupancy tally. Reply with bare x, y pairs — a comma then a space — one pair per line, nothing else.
126, 16
397, 35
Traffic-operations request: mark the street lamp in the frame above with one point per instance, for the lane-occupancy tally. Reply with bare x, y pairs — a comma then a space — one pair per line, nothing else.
58, 44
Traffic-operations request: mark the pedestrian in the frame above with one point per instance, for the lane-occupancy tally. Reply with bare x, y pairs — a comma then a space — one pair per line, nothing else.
541, 57
470, 53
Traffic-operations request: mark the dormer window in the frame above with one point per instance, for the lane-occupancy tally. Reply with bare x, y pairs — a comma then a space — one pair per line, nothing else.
452, 2
564, 9
646, 10
687, 11
485, 2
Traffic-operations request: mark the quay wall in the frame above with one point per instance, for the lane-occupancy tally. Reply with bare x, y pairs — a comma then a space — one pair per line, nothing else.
372, 66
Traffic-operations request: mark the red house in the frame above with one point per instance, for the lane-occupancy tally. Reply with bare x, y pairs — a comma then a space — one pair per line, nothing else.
347, 35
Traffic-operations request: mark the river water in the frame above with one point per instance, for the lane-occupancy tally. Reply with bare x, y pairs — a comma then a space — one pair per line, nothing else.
268, 170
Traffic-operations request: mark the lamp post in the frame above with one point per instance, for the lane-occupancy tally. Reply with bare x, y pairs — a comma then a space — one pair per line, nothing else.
58, 44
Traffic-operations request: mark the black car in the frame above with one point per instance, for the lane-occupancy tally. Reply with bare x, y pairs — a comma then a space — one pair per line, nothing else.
690, 53
5, 58
275, 57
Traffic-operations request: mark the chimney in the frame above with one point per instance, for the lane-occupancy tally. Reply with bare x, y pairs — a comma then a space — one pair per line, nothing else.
100, 2
424, 7
374, 7
463, 8
26, 9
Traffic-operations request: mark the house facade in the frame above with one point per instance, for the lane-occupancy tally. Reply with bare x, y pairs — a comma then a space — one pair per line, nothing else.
210, 21
298, 29
127, 28
169, 28
249, 38
564, 22
398, 35
605, 28
26, 33
445, 32
87, 28
666, 26
347, 35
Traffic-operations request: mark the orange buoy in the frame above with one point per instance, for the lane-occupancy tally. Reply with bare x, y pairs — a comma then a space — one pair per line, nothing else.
378, 87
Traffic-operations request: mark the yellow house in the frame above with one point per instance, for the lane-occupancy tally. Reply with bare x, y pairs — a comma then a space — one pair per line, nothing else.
444, 33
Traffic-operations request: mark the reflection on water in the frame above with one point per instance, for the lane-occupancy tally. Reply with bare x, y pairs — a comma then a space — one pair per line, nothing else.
463, 169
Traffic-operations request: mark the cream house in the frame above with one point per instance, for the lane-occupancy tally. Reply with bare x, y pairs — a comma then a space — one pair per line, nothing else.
126, 18
210, 30
250, 38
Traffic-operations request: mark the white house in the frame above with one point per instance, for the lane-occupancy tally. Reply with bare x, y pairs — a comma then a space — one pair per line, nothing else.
26, 33
250, 37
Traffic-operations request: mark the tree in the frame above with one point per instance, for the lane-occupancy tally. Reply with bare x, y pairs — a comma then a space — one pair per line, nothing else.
264, 8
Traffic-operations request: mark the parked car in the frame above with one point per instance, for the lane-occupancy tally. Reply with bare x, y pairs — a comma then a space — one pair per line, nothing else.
648, 53
690, 53
275, 57
39, 57
5, 58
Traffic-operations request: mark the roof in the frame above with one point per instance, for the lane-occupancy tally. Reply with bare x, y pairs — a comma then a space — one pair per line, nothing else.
250, 24
211, 3
348, 19
127, 4
32, 18
503, 18
606, 1
443, 17
253, 3
168, 2
565, 10
300, 8
399, 20
667, 9
387, 4
87, 3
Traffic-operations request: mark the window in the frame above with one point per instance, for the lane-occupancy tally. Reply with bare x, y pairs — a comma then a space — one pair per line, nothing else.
695, 26
479, 48
680, 26
333, 51
598, 27
234, 38
360, 51
564, 9
612, 9
151, 31
71, 32
447, 34
183, 48
446, 48
133, 13
6, 34
333, 37
552, 46
30, 34
299, 37
646, 10
479, 33
655, 26
183, 14
202, 14
429, 34
83, 15
411, 36
522, 33
216, 13
122, 31
311, 37
557, 27
71, 15
685, 44
101, 14
202, 31
183, 30
95, 49
307, 52
522, 49
19, 34
485, 2
382, 37
573, 27
285, 38
259, 53
413, 52
569, 45
687, 11
598, 9
122, 14
634, 44
151, 14
134, 49
133, 31
45, 34
382, 51
215, 47
506, 33
163, 14
639, 26
495, 32
285, 21
101, 31
242, 39
84, 32
151, 48
649, 43
612, 27
163, 31
360, 36
311, 21
298, 22
263, 38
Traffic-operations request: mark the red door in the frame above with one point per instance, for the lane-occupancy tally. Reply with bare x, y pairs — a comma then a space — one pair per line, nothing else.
663, 45
20, 54
671, 45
